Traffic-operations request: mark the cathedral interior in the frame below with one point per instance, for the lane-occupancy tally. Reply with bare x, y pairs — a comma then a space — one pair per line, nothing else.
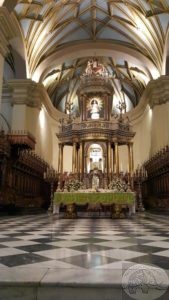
84, 144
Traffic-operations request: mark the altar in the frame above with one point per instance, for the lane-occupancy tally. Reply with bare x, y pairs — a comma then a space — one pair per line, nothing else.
119, 202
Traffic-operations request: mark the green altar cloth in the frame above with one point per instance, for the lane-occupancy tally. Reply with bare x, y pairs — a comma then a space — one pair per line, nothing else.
95, 197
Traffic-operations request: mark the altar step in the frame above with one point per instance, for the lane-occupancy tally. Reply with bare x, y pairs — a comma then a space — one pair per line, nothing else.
52, 292
93, 215
75, 284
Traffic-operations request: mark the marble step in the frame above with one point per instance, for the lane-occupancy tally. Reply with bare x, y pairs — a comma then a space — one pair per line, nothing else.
79, 284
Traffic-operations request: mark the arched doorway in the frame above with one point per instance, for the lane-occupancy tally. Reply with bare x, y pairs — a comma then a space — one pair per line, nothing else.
95, 157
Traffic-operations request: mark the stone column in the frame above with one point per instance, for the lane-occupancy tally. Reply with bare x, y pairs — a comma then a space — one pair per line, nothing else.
117, 158
7, 32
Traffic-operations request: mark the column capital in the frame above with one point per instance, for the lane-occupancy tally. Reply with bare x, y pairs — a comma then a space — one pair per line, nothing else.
7, 30
25, 91
159, 91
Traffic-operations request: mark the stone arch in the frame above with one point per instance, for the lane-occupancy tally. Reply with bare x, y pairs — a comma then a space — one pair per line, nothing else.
18, 52
10, 4
101, 144
16, 44
88, 49
166, 55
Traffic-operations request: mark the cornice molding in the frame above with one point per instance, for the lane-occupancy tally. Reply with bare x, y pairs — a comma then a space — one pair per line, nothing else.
29, 93
33, 94
159, 91
7, 30
156, 93
24, 92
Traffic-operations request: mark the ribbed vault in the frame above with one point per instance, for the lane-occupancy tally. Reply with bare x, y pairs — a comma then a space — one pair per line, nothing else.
130, 26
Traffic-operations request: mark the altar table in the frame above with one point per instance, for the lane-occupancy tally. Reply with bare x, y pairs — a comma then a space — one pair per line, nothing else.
71, 199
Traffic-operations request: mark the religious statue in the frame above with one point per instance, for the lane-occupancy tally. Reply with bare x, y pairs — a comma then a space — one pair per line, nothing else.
95, 182
95, 68
94, 107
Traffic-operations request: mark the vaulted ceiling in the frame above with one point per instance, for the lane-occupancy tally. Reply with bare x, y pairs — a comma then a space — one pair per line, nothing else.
129, 37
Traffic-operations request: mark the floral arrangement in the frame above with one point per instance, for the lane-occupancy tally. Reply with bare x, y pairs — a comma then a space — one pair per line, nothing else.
73, 185
118, 185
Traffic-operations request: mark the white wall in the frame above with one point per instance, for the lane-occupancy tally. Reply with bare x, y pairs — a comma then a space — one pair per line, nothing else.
67, 162
54, 129
123, 159
160, 127
38, 123
142, 139
43, 135
19, 117
141, 142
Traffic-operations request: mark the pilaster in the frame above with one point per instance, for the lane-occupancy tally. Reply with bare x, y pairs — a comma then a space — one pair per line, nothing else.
25, 92
7, 30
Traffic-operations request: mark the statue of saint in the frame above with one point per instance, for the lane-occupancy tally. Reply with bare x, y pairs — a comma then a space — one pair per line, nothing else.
95, 182
89, 68
95, 109
95, 68
94, 106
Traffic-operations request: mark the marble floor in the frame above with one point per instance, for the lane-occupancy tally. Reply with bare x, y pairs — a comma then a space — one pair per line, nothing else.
43, 248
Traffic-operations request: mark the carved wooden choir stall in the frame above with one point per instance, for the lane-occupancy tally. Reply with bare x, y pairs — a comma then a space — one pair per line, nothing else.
22, 184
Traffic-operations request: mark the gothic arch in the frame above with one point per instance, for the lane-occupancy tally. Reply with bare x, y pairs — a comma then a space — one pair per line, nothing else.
167, 55
10, 4
87, 49
17, 54
165, 70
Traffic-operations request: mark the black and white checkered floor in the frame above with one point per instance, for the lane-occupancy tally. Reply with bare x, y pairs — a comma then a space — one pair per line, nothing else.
44, 241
